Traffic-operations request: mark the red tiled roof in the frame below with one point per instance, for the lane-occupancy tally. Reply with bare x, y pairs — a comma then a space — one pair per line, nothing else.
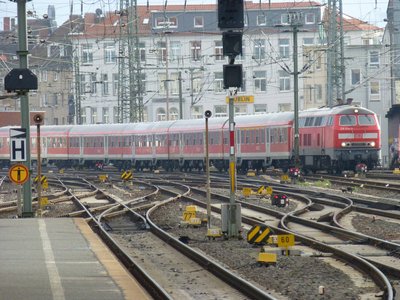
109, 24
351, 23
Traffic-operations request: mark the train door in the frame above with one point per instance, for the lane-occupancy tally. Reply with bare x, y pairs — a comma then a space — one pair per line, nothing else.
238, 141
267, 144
43, 148
81, 147
105, 143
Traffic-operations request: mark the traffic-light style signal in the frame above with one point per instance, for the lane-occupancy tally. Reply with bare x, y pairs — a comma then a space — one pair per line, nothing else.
232, 43
230, 14
233, 76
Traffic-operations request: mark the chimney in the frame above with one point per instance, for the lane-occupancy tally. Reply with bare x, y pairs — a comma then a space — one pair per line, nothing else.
349, 101
6, 23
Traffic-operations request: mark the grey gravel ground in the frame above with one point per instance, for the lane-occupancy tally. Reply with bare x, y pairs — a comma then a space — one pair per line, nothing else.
296, 277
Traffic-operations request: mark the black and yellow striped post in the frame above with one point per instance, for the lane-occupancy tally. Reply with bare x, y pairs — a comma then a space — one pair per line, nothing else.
126, 175
259, 234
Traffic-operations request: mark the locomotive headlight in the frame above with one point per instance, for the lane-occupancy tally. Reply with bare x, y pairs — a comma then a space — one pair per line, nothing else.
343, 144
372, 144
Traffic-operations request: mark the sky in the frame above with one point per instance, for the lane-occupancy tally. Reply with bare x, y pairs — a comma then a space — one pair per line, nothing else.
372, 11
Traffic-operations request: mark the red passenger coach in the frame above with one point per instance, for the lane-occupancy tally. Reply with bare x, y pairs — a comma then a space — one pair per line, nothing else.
333, 139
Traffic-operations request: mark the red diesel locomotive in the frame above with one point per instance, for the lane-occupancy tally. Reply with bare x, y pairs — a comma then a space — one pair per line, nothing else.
332, 139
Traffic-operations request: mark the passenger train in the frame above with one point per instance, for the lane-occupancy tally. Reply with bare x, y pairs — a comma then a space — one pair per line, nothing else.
332, 139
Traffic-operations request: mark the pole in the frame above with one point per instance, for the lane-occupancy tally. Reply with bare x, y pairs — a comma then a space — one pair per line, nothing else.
39, 171
296, 98
166, 76
180, 96
191, 86
208, 180
232, 230
23, 63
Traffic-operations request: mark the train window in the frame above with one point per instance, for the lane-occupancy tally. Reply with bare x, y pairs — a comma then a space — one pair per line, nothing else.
226, 135
347, 120
309, 121
257, 137
262, 135
366, 120
318, 121
302, 122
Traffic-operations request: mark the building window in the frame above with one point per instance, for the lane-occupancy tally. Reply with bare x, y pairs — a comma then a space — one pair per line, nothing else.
173, 114
115, 114
175, 52
143, 83
284, 81
259, 49
161, 115
374, 90
142, 52
374, 58
87, 54
109, 53
218, 50
260, 81
284, 48
308, 41
220, 110
115, 84
162, 51
43, 100
318, 95
93, 84
285, 19
243, 87
310, 18
197, 112
318, 62
260, 109
261, 20
174, 83
355, 76
198, 21
94, 115
195, 50
284, 107
44, 75
55, 76
106, 117
82, 84
83, 116
218, 82
240, 110
104, 79
168, 22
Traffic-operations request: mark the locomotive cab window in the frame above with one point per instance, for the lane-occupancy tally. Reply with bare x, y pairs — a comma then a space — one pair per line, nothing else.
366, 120
347, 120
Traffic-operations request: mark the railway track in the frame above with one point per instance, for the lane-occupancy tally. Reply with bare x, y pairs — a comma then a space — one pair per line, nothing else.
129, 213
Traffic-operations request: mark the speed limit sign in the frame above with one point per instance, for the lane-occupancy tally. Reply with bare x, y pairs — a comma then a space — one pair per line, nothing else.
285, 240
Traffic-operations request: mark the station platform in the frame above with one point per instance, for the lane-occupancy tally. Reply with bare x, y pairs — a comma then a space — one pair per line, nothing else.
60, 258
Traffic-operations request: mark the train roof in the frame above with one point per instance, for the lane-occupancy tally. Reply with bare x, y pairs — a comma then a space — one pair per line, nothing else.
339, 109
98, 129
